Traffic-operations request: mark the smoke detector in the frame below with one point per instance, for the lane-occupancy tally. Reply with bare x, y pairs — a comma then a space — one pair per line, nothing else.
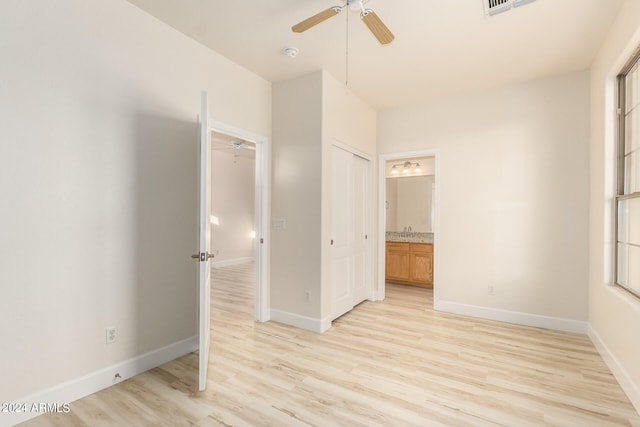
493, 7
291, 51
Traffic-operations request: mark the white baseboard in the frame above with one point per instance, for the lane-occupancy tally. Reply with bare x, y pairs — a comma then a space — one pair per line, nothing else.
299, 321
91, 383
229, 262
624, 379
519, 318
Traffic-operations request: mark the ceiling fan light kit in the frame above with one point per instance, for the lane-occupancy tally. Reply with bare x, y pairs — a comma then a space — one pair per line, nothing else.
355, 5
368, 16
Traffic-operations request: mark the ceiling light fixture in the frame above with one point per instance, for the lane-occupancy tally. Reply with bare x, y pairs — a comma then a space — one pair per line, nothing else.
355, 5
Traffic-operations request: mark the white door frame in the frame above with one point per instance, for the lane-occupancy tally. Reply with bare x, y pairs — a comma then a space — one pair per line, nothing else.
261, 218
382, 216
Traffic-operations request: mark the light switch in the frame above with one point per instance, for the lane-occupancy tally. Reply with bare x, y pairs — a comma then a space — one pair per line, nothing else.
279, 224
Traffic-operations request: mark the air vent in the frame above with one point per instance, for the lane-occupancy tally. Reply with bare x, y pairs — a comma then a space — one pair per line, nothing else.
493, 7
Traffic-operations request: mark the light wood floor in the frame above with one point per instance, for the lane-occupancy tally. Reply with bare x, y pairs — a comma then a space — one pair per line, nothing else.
391, 363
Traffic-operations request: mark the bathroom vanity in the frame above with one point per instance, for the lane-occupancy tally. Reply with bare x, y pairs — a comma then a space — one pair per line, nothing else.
409, 263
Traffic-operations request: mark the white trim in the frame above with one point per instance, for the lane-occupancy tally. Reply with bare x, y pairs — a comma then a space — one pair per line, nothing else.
516, 317
630, 388
91, 383
382, 217
346, 147
299, 321
230, 262
262, 221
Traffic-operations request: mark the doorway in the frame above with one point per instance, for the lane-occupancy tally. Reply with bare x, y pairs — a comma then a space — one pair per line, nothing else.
240, 216
418, 225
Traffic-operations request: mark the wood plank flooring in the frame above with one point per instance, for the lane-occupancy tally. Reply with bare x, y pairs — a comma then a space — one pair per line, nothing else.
391, 363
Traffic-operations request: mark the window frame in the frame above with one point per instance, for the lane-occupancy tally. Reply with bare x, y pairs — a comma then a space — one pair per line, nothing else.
621, 111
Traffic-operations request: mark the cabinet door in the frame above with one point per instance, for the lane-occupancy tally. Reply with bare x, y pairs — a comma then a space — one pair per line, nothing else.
397, 261
421, 262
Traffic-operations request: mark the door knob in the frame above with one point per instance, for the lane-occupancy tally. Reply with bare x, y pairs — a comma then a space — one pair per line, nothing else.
203, 256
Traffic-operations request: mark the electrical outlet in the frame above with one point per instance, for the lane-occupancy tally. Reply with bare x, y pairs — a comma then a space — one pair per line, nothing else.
307, 296
111, 335
491, 290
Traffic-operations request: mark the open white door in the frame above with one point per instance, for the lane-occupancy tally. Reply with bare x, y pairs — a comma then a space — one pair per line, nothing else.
204, 238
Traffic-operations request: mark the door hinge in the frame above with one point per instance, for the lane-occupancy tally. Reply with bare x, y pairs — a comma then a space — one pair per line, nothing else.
261, 240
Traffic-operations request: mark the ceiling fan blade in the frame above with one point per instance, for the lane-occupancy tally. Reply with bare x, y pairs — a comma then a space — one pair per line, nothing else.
316, 19
377, 27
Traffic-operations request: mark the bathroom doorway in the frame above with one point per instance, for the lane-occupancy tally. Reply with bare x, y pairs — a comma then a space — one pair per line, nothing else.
408, 220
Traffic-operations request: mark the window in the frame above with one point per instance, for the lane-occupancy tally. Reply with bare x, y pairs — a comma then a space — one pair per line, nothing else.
628, 188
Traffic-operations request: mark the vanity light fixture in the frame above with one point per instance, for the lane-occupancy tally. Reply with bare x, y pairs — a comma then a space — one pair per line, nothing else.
406, 167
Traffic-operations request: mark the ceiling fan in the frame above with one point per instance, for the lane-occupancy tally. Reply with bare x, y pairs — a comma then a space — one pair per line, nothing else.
368, 16
235, 146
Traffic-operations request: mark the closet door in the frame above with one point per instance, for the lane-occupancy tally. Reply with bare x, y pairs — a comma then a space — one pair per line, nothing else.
361, 215
350, 228
341, 237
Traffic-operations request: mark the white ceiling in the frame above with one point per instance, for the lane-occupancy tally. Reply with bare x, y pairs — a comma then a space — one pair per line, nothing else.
442, 47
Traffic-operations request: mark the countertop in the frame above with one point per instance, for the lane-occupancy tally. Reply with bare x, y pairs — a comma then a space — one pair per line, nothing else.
413, 237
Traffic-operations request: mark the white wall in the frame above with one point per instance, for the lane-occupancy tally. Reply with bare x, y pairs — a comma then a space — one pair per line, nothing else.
232, 201
614, 315
513, 193
98, 122
295, 196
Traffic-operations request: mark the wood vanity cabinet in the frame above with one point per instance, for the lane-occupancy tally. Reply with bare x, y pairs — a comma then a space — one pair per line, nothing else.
397, 262
409, 263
